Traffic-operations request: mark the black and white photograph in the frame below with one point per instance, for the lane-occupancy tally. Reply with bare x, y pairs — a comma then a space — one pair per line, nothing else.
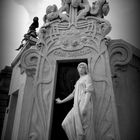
69, 70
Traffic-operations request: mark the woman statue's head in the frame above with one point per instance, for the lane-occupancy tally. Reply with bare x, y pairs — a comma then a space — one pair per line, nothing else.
82, 68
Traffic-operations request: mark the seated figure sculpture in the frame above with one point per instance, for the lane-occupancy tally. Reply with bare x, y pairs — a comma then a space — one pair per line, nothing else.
78, 124
31, 32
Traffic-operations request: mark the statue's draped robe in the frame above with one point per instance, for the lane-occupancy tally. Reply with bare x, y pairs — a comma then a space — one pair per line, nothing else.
79, 125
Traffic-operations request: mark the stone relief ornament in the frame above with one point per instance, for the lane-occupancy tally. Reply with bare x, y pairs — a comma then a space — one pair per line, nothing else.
74, 31
51, 13
28, 62
84, 7
100, 8
120, 55
65, 8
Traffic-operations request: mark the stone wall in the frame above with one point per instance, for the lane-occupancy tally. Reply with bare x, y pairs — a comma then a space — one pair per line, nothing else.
5, 78
125, 64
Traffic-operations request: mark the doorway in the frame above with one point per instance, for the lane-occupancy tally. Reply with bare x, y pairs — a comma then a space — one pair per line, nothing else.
67, 75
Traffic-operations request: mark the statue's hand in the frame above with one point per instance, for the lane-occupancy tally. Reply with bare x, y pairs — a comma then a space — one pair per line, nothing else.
58, 101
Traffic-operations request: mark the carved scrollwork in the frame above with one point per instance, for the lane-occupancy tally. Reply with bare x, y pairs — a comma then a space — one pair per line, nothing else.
28, 62
120, 53
105, 27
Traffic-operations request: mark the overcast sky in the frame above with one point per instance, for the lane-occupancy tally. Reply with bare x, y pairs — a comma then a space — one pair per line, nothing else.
16, 16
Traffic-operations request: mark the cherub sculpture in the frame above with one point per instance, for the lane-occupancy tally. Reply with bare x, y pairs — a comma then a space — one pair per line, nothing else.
51, 13
65, 8
100, 8
84, 8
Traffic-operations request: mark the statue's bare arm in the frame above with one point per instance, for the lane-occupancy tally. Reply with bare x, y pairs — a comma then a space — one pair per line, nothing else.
68, 98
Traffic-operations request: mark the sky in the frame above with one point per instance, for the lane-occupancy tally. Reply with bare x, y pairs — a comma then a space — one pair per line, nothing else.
16, 16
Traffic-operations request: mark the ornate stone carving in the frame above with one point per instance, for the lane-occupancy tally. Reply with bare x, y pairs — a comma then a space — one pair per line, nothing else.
76, 10
67, 54
28, 62
120, 53
65, 8
83, 5
41, 107
99, 8
63, 35
36, 65
77, 34
85, 8
51, 13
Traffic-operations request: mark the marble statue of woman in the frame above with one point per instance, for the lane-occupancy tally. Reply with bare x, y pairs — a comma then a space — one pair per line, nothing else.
78, 124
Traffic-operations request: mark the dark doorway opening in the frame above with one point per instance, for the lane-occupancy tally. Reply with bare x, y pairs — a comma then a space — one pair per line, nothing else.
67, 75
